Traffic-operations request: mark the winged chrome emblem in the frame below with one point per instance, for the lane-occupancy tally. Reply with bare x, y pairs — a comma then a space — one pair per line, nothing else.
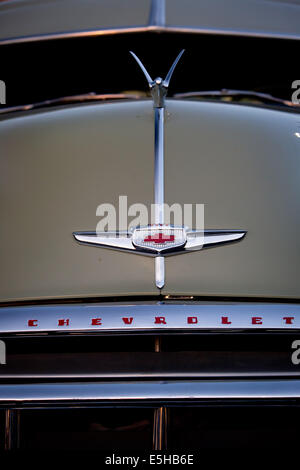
159, 240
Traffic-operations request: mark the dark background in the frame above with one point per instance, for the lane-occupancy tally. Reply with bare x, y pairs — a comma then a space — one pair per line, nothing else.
36, 71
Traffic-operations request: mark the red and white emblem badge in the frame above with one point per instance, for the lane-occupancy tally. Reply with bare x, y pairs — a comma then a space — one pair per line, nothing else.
159, 238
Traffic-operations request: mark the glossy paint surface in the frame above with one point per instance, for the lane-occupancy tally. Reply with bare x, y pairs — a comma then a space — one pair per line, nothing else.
25, 20
57, 166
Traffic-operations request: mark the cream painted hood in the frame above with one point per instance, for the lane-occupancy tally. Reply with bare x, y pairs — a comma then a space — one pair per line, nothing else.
22, 20
57, 166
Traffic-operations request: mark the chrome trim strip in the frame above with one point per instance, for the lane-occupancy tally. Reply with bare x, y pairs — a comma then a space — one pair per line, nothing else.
228, 32
157, 15
143, 29
155, 316
151, 375
156, 390
75, 34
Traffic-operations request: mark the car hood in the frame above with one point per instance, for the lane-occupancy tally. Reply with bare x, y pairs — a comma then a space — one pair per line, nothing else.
26, 20
59, 165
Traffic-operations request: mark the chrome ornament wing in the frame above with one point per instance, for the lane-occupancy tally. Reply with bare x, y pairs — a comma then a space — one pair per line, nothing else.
159, 240
209, 238
116, 241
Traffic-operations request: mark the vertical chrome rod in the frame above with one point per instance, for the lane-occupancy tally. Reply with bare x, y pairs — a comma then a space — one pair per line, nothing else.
159, 187
159, 89
160, 428
159, 183
160, 272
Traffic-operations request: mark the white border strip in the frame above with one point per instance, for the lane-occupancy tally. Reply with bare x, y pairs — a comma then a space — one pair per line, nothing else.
149, 316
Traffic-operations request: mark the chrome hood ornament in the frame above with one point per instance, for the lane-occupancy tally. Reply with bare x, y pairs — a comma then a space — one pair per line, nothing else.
159, 240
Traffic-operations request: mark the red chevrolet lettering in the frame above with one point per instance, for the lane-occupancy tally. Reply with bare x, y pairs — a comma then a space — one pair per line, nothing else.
96, 321
160, 320
192, 319
225, 321
257, 321
288, 320
64, 322
127, 320
32, 322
